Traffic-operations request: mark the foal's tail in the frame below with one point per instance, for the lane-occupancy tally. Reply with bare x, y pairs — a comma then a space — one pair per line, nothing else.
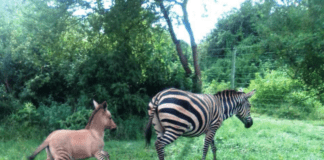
39, 149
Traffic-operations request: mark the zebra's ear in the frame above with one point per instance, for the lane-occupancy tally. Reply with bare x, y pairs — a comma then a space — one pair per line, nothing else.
96, 105
250, 94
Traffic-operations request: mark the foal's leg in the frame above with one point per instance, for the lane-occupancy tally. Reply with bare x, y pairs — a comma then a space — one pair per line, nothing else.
58, 153
105, 154
102, 155
167, 138
49, 154
209, 139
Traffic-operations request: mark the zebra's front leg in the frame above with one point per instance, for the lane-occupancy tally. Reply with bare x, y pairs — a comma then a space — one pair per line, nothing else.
209, 139
101, 155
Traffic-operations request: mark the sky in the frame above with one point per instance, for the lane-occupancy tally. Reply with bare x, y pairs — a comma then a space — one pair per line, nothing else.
202, 14
202, 25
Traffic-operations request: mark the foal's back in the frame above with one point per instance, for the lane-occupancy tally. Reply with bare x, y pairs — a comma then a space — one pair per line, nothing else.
78, 144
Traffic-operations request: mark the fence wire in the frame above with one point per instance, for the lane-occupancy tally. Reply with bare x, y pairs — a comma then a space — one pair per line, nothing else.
239, 67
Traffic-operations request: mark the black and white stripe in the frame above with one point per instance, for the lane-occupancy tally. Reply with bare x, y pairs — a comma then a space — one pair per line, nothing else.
102, 155
175, 113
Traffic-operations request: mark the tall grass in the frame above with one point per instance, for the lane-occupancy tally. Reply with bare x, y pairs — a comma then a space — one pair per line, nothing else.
267, 139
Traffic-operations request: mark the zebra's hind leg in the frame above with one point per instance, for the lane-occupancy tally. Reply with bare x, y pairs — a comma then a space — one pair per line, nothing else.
209, 139
213, 148
167, 138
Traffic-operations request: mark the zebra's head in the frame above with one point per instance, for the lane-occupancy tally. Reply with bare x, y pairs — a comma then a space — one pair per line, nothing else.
243, 112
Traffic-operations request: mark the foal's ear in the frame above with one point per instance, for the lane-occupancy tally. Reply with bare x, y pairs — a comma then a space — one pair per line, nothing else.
104, 104
96, 105
250, 94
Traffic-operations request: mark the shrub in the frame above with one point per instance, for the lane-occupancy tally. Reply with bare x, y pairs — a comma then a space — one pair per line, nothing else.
279, 95
77, 120
124, 103
131, 128
8, 104
214, 87
24, 123
52, 115
27, 116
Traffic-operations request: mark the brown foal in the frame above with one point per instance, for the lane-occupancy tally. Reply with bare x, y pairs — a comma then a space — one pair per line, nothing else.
80, 144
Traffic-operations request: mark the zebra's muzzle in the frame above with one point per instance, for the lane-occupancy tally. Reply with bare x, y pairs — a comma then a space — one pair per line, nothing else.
248, 123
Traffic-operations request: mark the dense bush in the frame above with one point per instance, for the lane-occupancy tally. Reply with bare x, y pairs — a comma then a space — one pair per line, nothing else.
279, 95
26, 117
77, 120
52, 115
214, 87
131, 128
24, 123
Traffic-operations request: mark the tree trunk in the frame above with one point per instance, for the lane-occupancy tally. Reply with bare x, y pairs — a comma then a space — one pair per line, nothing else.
197, 78
6, 84
183, 59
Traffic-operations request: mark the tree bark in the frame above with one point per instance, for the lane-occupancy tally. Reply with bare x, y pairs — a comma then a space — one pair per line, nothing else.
183, 59
197, 79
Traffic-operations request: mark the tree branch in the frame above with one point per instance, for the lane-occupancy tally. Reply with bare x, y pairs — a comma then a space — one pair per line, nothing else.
183, 59
166, 17
186, 22
176, 2
192, 42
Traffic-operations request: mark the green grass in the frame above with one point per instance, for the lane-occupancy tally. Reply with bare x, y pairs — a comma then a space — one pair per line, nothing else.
267, 139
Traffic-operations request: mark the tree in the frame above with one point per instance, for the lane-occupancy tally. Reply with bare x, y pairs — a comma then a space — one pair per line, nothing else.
294, 32
197, 77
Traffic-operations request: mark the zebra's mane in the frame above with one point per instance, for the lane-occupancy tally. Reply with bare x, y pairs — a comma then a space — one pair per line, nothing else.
229, 91
91, 117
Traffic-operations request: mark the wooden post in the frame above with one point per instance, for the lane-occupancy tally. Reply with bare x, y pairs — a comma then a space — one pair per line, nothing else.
233, 69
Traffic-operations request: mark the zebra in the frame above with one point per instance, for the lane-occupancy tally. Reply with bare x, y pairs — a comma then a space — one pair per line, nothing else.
175, 113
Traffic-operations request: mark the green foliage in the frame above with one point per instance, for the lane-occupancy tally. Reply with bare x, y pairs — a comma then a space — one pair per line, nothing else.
131, 128
279, 95
270, 36
26, 117
219, 69
126, 99
295, 34
9, 105
233, 28
53, 115
77, 120
21, 124
214, 87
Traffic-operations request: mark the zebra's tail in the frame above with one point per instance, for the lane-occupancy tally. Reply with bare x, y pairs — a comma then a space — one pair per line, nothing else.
39, 149
148, 131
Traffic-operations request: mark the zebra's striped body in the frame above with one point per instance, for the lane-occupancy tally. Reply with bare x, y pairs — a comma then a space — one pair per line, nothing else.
175, 113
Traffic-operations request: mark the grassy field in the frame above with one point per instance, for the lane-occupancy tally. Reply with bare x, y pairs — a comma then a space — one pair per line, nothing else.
268, 138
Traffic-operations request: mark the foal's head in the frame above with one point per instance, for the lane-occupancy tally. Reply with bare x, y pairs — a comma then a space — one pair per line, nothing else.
244, 109
102, 115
